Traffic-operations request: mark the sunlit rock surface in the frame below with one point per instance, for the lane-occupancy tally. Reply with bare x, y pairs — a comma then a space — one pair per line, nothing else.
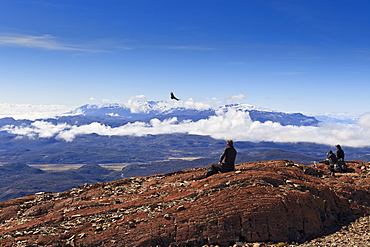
269, 201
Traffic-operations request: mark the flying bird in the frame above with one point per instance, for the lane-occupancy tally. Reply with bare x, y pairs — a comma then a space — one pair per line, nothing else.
173, 96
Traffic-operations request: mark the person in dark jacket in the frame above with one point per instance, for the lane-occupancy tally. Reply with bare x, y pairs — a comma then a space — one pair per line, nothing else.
340, 155
226, 162
333, 162
332, 158
340, 152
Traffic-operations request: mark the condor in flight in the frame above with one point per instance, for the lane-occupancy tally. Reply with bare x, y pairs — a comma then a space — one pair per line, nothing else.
173, 96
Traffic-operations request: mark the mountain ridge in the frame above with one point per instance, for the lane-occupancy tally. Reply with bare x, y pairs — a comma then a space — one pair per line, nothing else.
162, 110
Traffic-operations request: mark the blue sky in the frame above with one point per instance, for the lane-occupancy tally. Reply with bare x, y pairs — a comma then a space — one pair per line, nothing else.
293, 56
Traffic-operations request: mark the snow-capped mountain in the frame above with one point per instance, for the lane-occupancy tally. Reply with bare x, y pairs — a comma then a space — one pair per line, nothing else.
146, 110
116, 115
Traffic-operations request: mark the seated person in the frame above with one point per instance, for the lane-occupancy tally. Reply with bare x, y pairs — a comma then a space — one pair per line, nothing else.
333, 161
340, 155
227, 160
331, 158
340, 152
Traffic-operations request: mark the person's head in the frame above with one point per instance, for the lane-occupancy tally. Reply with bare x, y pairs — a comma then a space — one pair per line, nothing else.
338, 146
230, 143
330, 152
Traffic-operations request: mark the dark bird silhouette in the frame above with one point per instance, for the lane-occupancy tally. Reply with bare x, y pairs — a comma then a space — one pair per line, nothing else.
173, 96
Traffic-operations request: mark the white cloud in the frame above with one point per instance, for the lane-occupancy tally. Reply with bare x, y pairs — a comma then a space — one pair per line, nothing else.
231, 99
138, 104
32, 112
364, 120
47, 42
239, 96
236, 125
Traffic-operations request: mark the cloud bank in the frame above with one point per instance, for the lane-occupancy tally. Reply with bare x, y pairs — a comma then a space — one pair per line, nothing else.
233, 124
32, 112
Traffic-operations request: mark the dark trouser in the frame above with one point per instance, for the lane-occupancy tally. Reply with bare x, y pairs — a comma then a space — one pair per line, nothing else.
215, 168
326, 162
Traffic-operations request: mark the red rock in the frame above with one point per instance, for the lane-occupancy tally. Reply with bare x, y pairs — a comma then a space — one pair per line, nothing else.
271, 201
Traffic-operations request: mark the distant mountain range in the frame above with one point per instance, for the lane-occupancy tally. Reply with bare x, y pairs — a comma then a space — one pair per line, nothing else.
152, 109
116, 115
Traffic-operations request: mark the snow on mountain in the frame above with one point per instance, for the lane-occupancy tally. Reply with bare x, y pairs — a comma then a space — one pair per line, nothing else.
246, 107
337, 118
145, 110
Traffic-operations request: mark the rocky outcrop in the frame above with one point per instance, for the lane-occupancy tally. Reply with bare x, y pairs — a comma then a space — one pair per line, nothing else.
270, 201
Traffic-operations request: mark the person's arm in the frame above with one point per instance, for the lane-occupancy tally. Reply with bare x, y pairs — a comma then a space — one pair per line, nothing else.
222, 156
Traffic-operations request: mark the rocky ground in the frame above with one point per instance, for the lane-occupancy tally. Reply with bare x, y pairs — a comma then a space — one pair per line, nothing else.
269, 203
356, 234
